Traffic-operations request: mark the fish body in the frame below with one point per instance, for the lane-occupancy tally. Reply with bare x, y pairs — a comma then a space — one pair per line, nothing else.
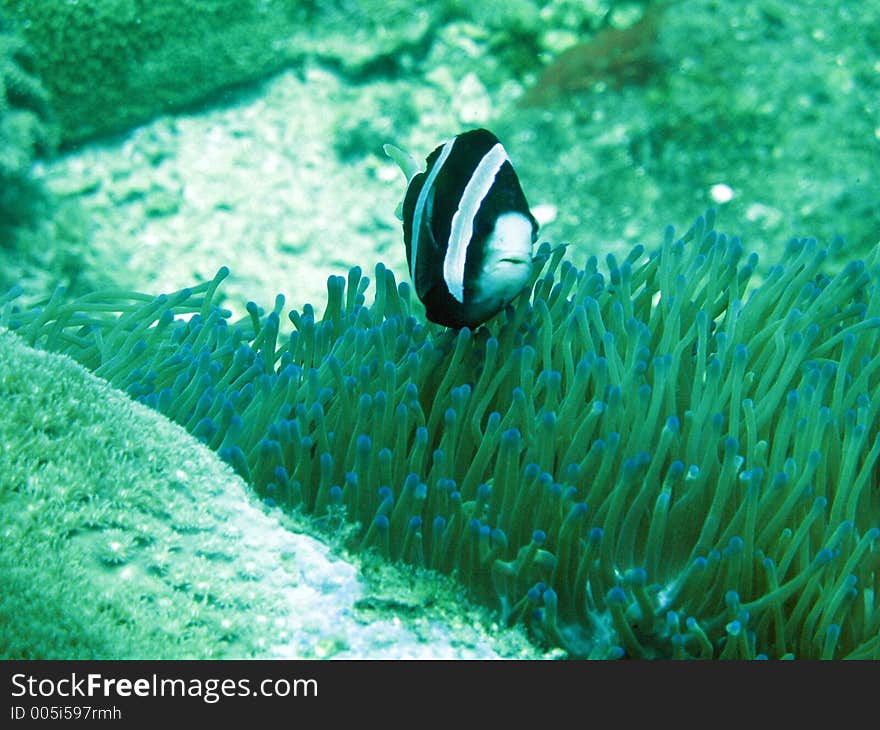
467, 229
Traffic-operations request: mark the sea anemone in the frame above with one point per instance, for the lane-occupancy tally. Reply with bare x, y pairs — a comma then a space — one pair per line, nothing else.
658, 462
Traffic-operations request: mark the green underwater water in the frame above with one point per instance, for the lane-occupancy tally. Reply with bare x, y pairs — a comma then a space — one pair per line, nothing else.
191, 136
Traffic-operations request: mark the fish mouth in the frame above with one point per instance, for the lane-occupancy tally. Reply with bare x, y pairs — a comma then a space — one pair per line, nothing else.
514, 260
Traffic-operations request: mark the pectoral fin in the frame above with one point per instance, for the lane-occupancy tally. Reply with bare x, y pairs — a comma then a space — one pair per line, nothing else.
404, 160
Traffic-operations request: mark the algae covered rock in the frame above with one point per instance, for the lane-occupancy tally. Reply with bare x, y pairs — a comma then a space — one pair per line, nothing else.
123, 537
112, 64
26, 131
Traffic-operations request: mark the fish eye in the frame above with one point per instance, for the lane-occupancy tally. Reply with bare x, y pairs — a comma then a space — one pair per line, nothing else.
483, 227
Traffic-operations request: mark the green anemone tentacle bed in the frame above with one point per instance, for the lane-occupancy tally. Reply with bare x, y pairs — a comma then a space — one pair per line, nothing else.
663, 460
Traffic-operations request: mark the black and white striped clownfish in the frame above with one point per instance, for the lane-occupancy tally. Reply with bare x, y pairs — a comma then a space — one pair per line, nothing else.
467, 229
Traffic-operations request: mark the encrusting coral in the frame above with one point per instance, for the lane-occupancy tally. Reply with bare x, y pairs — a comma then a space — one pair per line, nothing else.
648, 464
